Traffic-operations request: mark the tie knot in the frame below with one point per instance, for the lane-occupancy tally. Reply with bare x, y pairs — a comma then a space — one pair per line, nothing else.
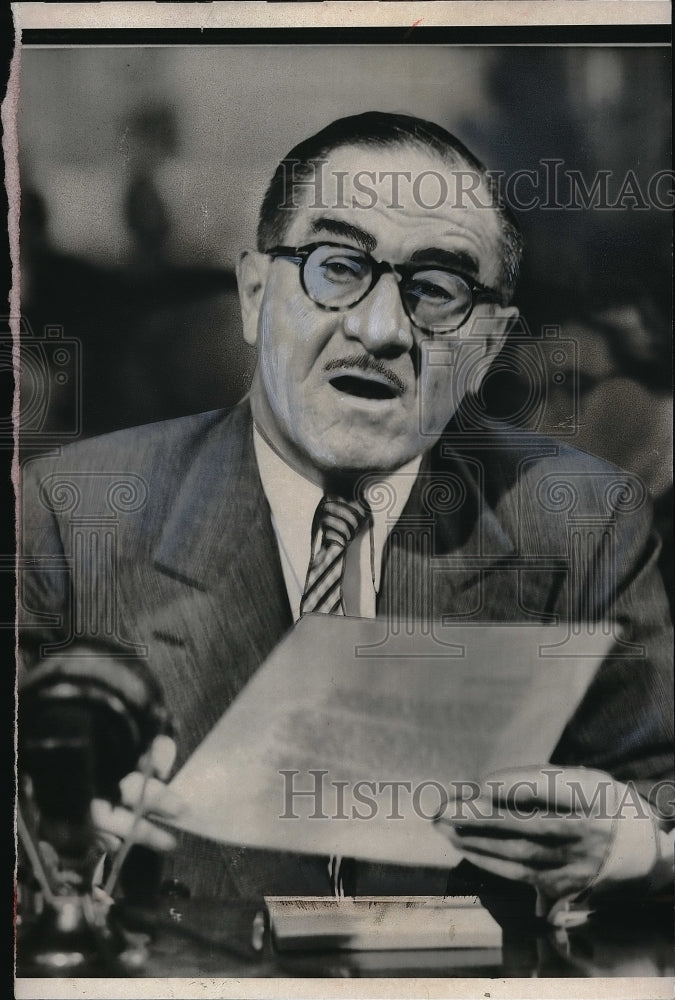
341, 519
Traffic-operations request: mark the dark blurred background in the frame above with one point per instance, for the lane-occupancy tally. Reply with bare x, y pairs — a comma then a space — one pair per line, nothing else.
142, 170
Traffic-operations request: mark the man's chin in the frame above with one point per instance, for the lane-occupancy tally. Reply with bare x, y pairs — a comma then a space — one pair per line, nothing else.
357, 461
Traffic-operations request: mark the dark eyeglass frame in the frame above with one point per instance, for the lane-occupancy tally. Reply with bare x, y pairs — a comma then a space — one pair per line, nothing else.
300, 255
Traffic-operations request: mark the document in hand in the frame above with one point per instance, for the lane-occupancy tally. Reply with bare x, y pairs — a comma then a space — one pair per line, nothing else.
349, 738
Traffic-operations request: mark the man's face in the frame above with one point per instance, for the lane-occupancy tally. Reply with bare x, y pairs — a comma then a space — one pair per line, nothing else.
363, 388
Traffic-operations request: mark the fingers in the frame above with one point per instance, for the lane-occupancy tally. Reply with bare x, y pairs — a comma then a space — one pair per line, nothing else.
109, 843
554, 802
140, 792
157, 798
555, 871
160, 757
550, 827
517, 849
539, 827
118, 822
560, 790
500, 866
554, 883
539, 841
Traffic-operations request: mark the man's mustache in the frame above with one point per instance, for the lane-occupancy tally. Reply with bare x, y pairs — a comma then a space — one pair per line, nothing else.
367, 363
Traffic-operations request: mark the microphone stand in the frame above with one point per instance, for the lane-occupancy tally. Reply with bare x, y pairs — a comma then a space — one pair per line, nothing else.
67, 927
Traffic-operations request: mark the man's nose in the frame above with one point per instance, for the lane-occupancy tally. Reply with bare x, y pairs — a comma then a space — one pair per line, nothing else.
380, 322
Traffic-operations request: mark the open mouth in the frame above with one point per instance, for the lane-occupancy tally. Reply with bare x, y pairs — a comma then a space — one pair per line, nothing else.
364, 388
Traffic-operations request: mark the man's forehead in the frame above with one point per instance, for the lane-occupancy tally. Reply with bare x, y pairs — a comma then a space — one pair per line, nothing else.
394, 201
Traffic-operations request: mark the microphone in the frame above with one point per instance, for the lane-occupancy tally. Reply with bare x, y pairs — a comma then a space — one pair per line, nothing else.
118, 702
84, 720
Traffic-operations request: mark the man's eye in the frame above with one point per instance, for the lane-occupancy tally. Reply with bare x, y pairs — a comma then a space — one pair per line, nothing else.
424, 289
342, 269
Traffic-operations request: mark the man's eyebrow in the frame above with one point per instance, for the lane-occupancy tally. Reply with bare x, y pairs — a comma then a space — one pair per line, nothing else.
459, 259
336, 227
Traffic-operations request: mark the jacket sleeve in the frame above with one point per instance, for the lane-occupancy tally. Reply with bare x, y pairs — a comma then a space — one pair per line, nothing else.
44, 572
624, 724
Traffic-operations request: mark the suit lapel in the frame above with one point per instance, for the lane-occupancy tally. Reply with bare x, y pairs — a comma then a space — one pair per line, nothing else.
442, 551
218, 553
220, 509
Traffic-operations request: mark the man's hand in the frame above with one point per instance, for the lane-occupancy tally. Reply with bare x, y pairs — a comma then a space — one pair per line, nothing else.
552, 827
116, 823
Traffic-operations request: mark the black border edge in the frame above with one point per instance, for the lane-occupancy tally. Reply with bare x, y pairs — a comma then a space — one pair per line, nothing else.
641, 34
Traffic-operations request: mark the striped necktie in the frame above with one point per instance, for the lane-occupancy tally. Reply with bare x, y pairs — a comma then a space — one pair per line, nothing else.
340, 521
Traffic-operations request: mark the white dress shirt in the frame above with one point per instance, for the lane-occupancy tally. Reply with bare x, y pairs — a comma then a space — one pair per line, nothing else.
293, 500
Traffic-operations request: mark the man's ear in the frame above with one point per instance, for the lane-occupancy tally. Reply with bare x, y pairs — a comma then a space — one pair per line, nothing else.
252, 268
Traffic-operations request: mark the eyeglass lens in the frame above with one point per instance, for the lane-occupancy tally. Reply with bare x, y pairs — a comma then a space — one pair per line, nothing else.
338, 277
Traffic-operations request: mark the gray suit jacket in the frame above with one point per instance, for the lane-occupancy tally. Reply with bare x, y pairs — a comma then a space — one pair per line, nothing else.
158, 541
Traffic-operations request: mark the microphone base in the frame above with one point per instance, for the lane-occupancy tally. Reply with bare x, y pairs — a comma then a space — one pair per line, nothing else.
76, 935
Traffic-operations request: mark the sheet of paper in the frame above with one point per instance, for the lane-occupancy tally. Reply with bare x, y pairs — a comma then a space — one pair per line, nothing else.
348, 739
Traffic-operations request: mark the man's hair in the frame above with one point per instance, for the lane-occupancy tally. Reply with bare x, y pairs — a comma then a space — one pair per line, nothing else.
381, 129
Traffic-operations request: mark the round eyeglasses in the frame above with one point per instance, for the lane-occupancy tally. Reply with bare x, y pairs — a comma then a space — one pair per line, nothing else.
337, 277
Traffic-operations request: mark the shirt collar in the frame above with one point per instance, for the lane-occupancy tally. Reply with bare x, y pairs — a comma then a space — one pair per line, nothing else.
293, 500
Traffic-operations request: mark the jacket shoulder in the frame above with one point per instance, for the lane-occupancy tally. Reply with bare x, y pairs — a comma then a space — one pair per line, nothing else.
533, 479
507, 454
505, 446
167, 443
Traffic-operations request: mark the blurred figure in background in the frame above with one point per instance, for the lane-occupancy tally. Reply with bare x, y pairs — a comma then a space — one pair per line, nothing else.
84, 301
141, 324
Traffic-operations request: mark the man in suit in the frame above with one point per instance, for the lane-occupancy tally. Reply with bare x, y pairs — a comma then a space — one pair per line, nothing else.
377, 297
